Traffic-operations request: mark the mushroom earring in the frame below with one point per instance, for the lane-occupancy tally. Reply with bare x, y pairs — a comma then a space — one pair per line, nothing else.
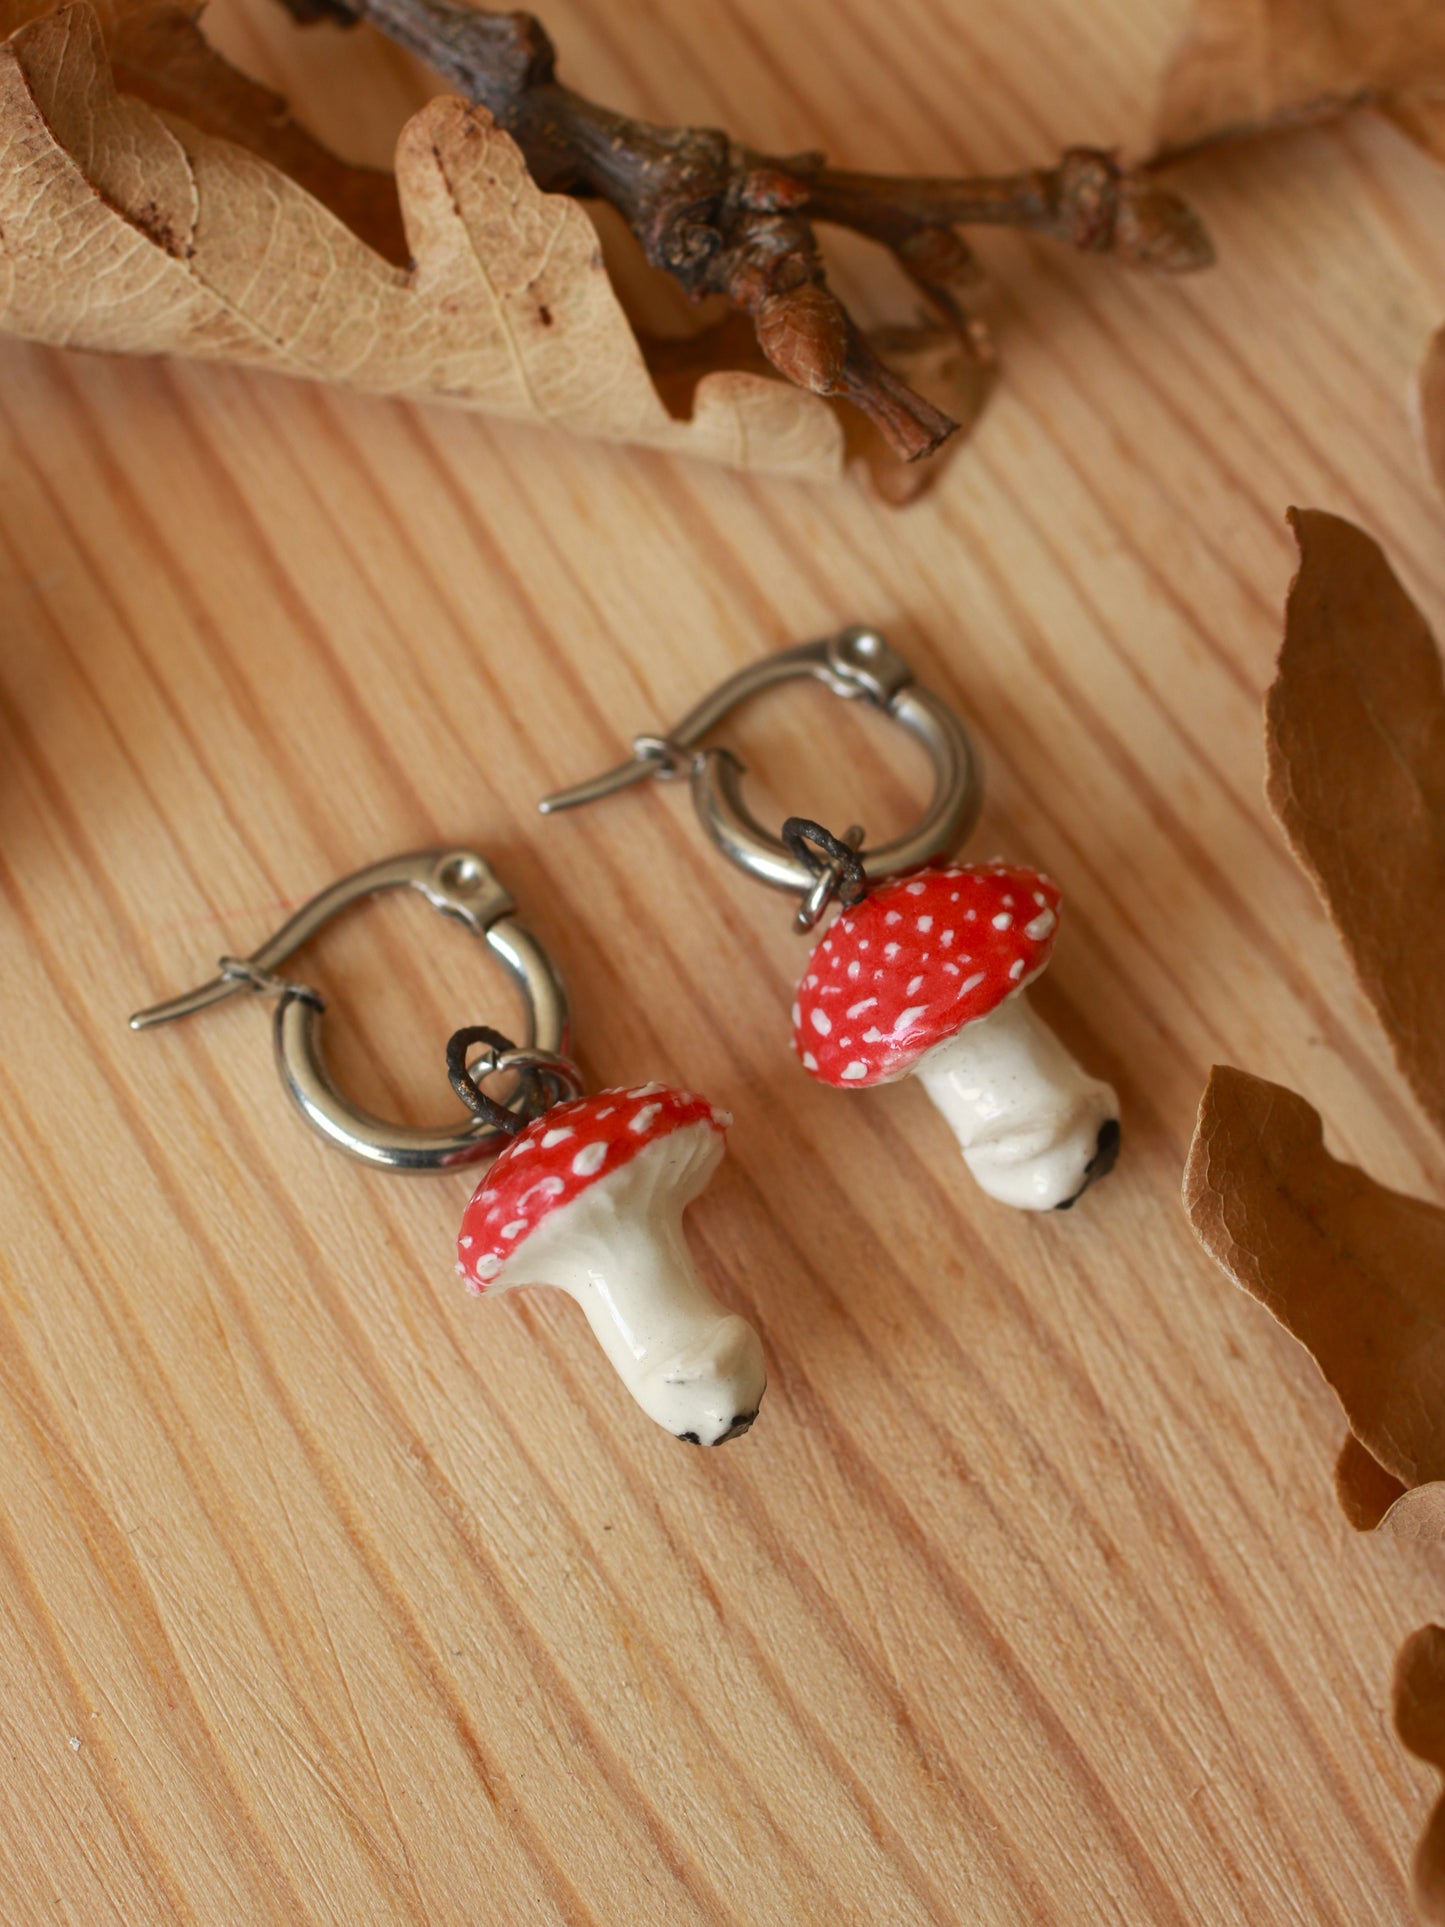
588, 1193
925, 967
590, 1198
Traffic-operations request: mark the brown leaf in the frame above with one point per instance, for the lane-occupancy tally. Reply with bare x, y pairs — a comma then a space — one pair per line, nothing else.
159, 54
1249, 66
1419, 1704
1354, 1271
1355, 731
127, 229
1374, 1500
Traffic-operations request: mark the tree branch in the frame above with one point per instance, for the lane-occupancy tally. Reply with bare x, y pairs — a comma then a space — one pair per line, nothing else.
724, 219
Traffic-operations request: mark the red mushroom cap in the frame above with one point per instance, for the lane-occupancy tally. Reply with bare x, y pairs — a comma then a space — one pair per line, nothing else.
916, 960
561, 1154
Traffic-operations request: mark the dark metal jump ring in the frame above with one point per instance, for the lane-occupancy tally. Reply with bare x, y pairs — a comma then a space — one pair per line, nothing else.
805, 838
546, 1078
464, 1082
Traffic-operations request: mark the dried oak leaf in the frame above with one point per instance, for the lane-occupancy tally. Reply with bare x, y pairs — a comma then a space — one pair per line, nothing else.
1419, 1705
126, 228
1251, 66
1355, 734
1356, 1272
1355, 727
159, 54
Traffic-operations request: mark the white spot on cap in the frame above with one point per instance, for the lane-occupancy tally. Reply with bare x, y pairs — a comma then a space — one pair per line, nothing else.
890, 950
722, 1119
915, 984
952, 969
589, 1159
1010, 902
556, 1135
873, 1036
1040, 898
946, 939
607, 1113
852, 1072
1016, 968
853, 970
972, 915
971, 983
914, 889
925, 924
544, 1188
465, 1243
1039, 927
820, 1022
489, 1266
906, 1018
644, 1119
893, 917
810, 1063
1003, 921
857, 1010
515, 1228
797, 1016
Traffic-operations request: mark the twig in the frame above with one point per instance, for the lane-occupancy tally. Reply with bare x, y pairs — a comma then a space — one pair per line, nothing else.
724, 219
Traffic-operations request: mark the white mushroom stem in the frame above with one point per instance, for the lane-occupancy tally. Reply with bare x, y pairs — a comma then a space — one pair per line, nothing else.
1027, 1116
620, 1250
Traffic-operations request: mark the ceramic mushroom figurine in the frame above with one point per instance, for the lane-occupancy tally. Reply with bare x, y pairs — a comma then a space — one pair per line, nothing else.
590, 1198
928, 975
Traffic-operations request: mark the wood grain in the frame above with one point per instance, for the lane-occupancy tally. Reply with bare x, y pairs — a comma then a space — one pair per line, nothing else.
332, 1595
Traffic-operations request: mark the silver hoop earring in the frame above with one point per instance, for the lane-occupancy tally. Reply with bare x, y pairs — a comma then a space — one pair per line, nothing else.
586, 1193
924, 968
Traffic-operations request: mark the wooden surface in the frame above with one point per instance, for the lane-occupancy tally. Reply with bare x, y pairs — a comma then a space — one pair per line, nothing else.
330, 1594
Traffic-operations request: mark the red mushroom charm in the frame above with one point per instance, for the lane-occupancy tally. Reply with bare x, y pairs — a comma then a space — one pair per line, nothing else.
927, 975
590, 1198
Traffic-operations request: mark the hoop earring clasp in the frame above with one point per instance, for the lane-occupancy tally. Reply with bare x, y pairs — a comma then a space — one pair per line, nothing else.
462, 885
857, 663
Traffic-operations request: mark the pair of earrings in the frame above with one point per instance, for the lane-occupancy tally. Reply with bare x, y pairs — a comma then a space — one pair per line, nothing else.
923, 970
